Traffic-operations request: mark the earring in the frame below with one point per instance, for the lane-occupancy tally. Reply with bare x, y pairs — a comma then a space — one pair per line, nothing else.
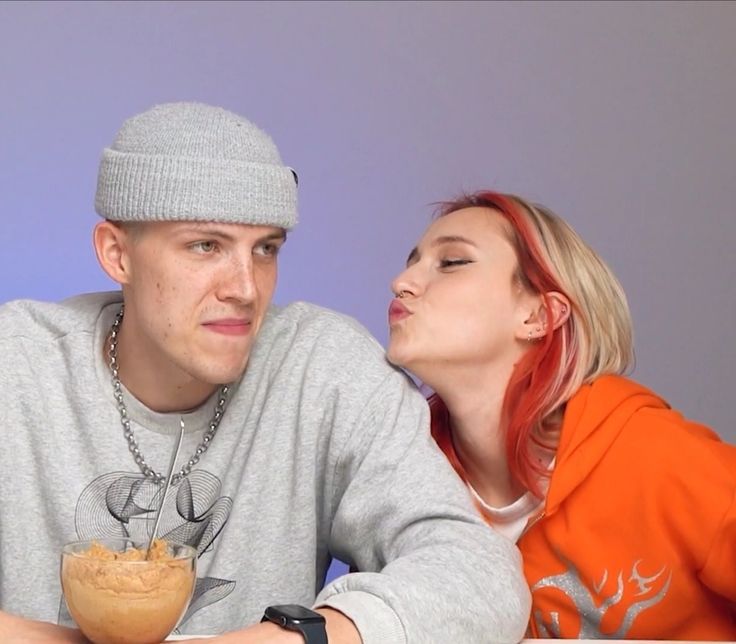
564, 309
529, 337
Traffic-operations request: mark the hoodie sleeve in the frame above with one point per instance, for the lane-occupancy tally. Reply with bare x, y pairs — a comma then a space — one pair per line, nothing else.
719, 571
431, 570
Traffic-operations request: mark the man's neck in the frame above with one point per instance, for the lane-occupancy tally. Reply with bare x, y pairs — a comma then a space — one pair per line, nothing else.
158, 397
161, 388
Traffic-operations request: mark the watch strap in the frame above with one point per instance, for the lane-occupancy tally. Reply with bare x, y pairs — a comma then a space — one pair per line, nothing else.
313, 633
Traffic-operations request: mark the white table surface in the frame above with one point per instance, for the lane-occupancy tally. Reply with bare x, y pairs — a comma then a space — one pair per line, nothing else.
182, 638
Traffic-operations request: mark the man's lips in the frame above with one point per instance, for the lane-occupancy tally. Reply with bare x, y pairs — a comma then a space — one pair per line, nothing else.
229, 326
397, 311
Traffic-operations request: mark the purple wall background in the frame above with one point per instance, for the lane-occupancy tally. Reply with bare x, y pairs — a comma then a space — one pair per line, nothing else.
619, 116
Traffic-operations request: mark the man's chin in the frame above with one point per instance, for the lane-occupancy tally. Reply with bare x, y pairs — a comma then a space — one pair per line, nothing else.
221, 374
233, 372
226, 376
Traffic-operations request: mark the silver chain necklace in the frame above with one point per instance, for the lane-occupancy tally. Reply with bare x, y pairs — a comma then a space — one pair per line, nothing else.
147, 470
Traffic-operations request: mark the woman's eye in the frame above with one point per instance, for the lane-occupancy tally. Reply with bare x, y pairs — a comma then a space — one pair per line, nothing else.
449, 263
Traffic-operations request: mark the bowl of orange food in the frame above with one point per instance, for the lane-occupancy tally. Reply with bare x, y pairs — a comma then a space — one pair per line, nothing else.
118, 595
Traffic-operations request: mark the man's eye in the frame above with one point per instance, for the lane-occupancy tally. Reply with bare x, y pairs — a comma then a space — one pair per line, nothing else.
267, 250
204, 247
449, 263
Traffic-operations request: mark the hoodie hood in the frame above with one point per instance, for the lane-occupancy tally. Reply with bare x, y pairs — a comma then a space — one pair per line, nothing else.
594, 417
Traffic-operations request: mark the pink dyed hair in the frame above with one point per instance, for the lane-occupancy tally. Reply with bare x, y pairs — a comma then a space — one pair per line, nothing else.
541, 377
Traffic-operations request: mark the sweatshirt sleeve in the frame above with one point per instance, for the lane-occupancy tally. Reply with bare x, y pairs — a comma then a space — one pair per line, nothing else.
431, 570
719, 570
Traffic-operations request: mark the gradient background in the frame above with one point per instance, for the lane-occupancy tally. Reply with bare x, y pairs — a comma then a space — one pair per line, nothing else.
619, 116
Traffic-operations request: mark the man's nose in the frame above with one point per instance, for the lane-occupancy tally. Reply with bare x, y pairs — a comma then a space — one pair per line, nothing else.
238, 281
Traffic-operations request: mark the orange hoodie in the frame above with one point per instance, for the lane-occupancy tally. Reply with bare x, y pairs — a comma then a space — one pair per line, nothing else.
638, 535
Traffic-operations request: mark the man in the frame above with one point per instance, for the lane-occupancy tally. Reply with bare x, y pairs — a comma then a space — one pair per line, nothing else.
301, 442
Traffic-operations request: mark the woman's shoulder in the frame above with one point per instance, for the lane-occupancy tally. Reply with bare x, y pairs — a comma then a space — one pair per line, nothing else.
663, 438
620, 416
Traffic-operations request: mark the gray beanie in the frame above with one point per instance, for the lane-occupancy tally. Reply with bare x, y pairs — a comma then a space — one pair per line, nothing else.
194, 162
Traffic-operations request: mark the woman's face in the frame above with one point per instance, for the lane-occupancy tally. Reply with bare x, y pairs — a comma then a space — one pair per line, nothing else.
462, 304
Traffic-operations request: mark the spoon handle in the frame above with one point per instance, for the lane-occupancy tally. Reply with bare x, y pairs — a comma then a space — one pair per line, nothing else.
169, 476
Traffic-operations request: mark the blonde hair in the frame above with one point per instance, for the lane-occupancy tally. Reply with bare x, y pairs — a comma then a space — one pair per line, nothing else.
595, 340
602, 334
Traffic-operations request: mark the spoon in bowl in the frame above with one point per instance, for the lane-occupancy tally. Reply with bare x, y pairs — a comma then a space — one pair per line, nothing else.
169, 476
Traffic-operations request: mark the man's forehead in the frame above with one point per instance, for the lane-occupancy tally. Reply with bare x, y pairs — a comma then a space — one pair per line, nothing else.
228, 229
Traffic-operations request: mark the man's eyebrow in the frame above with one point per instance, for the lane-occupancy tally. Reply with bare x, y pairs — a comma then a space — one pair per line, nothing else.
206, 228
210, 229
278, 235
440, 241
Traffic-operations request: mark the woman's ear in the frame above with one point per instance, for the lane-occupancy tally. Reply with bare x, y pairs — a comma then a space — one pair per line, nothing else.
552, 309
558, 310
111, 242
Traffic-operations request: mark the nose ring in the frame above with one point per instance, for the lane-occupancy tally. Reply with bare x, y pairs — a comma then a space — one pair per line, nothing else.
401, 295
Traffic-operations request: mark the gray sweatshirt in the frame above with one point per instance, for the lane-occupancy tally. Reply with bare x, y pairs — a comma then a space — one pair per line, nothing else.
323, 450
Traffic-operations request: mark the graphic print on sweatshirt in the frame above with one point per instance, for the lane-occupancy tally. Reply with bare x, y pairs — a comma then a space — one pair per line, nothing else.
123, 505
605, 610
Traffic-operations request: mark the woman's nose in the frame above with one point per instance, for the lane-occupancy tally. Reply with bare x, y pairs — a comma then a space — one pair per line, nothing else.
405, 283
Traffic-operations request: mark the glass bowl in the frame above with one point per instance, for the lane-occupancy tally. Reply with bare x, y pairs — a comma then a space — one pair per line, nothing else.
116, 596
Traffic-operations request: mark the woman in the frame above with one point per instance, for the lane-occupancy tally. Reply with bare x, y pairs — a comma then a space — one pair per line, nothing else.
624, 511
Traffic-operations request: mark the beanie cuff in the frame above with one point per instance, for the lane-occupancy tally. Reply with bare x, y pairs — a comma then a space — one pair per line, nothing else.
139, 187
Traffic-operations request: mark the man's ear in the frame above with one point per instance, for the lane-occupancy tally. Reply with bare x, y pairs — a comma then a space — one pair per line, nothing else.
112, 242
552, 309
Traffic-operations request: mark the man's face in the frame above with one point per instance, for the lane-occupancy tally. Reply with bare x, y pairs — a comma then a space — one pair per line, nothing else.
196, 295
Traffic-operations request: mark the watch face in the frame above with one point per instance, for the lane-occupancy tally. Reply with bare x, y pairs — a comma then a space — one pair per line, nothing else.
294, 613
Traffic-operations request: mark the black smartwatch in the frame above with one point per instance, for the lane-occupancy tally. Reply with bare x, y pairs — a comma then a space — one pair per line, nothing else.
298, 618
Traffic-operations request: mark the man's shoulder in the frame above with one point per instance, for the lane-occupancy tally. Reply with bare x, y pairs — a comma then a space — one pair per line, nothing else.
323, 351
305, 338
309, 321
37, 319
